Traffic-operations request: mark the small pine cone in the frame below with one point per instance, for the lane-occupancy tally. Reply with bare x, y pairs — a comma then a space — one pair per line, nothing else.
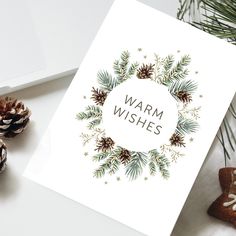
14, 117
105, 144
3, 156
177, 140
184, 96
145, 71
124, 156
98, 96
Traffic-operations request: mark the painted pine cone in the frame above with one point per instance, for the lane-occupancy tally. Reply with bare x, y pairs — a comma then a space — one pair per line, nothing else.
3, 156
14, 117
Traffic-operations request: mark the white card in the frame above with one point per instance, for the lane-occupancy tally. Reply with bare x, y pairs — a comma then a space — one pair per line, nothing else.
138, 120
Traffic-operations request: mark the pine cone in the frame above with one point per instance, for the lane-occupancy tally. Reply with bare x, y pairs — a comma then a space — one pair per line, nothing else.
14, 117
177, 140
145, 71
105, 144
184, 96
99, 96
3, 156
124, 156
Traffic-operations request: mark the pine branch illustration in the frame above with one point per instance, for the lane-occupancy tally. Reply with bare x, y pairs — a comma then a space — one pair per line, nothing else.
167, 65
135, 167
178, 71
158, 69
92, 124
182, 90
133, 68
106, 81
90, 112
115, 164
111, 165
186, 126
100, 156
101, 171
121, 67
160, 162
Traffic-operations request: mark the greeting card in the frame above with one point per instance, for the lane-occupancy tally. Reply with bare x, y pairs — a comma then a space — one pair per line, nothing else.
138, 120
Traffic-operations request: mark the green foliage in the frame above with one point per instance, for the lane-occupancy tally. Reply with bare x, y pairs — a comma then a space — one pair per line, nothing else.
188, 8
122, 69
178, 71
216, 17
100, 156
186, 126
90, 112
135, 167
182, 85
166, 71
158, 162
111, 164
106, 81
92, 124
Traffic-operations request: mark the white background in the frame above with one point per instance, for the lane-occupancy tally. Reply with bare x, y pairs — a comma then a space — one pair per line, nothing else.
157, 200
29, 209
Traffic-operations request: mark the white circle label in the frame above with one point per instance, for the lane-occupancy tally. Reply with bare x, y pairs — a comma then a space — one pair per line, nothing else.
140, 115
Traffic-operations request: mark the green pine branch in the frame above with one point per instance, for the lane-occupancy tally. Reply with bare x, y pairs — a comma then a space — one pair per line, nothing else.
186, 126
188, 86
94, 123
122, 69
159, 163
135, 167
100, 156
111, 164
89, 113
178, 71
106, 81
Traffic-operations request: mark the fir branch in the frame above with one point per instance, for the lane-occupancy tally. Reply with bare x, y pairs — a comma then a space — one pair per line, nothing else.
111, 165
187, 7
158, 161
157, 70
101, 171
100, 156
121, 67
178, 71
132, 69
115, 164
90, 112
92, 124
167, 65
186, 126
178, 86
106, 81
135, 167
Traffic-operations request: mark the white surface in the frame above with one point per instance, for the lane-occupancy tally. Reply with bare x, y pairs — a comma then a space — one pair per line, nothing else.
153, 198
28, 209
41, 40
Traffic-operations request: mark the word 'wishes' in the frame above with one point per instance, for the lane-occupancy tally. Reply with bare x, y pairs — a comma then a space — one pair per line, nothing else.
134, 115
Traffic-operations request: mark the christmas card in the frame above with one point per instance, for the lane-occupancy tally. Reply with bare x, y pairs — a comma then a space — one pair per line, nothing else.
138, 120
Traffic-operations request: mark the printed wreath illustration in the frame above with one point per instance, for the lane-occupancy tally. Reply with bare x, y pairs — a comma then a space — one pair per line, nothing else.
164, 71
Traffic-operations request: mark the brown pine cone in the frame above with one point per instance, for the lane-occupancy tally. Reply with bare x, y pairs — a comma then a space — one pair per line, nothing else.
14, 117
3, 156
